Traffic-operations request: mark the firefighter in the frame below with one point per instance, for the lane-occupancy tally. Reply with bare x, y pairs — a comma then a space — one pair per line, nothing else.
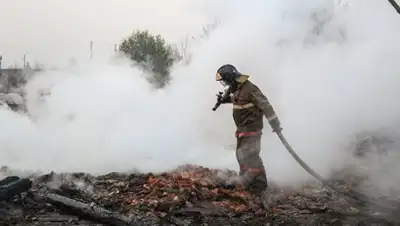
249, 107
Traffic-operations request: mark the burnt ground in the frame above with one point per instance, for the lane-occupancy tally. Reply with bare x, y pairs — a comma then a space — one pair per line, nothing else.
190, 195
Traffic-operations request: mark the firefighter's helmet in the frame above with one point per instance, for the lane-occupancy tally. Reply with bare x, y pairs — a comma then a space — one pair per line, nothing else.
227, 74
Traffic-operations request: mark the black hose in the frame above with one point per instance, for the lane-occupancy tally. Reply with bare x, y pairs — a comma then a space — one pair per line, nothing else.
350, 193
355, 195
395, 5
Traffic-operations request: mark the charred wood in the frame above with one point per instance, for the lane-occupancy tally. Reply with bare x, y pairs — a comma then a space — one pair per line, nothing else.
14, 188
8, 180
88, 211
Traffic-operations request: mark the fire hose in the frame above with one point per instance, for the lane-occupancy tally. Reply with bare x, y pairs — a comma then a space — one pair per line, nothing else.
395, 5
355, 195
350, 193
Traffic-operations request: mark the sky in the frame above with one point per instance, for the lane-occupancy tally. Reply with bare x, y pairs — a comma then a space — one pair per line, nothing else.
329, 68
44, 29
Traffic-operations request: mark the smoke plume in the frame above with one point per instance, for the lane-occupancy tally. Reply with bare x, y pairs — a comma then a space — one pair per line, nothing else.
329, 68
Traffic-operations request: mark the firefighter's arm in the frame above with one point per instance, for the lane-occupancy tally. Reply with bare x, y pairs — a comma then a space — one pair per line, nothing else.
262, 102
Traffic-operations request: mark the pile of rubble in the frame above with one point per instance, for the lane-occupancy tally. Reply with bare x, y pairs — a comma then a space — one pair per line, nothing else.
13, 101
189, 195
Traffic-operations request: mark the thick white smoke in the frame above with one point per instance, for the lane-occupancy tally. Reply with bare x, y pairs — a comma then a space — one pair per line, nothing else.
329, 71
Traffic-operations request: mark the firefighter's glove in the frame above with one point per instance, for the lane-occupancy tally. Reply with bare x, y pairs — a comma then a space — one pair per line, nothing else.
275, 125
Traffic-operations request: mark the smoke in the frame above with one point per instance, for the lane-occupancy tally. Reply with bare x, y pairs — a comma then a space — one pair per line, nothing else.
329, 70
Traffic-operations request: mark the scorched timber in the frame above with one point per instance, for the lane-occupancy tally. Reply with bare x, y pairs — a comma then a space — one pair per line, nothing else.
14, 188
87, 211
8, 180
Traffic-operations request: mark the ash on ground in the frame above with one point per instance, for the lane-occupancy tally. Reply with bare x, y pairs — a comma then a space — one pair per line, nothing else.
189, 195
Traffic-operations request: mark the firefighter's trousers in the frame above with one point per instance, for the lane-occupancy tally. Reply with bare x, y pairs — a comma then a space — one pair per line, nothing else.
252, 169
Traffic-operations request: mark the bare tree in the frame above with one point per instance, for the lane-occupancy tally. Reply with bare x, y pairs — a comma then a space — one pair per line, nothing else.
206, 32
183, 49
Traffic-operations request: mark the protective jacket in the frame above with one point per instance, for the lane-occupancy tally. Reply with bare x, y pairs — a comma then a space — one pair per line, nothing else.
249, 107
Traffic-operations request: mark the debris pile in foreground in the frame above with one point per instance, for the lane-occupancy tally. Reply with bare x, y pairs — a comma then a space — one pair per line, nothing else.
189, 195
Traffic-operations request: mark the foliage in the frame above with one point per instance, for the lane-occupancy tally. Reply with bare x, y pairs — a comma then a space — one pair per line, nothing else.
151, 53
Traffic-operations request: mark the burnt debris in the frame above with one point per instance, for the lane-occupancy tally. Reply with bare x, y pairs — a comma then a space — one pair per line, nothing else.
189, 195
